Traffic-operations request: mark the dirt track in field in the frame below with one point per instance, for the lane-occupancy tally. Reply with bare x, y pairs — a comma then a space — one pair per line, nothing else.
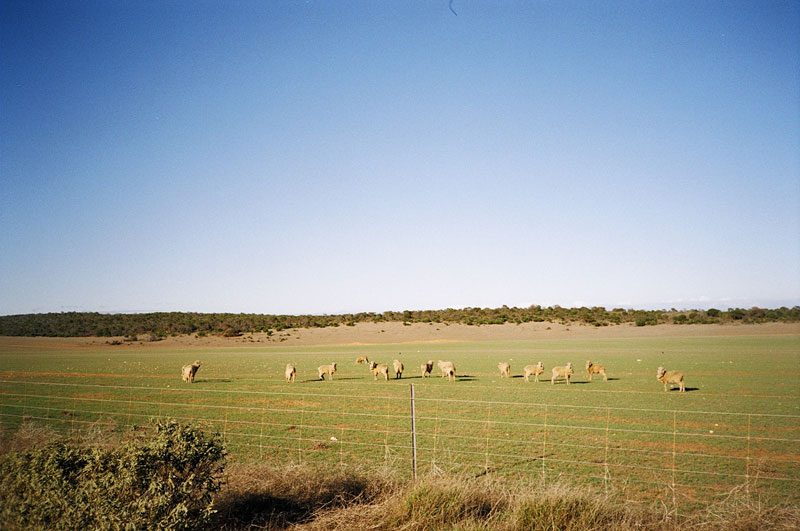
394, 333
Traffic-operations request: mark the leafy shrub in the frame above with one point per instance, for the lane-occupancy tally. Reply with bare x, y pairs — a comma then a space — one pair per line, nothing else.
737, 314
166, 482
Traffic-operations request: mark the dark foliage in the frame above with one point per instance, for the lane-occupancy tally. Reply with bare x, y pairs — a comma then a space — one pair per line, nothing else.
164, 482
159, 325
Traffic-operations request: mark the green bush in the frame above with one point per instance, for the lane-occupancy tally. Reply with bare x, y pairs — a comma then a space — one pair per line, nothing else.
164, 482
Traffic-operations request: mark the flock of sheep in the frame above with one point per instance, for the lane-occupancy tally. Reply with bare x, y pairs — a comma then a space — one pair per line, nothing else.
668, 378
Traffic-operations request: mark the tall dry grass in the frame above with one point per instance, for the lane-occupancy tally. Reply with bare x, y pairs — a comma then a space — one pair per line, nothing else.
307, 498
277, 497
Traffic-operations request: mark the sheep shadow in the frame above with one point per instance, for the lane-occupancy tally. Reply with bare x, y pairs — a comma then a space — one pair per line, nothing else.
212, 380
312, 380
688, 389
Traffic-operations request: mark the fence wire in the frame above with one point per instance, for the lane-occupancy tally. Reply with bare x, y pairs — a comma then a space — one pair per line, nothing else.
638, 450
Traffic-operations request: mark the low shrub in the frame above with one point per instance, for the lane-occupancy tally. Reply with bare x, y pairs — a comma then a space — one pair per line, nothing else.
166, 481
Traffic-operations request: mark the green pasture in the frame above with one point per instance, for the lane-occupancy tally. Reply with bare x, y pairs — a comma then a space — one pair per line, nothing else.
738, 424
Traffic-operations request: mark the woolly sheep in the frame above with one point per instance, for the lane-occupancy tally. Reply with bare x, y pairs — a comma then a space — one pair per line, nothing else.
671, 378
188, 371
562, 372
448, 369
377, 369
505, 369
535, 370
326, 369
593, 369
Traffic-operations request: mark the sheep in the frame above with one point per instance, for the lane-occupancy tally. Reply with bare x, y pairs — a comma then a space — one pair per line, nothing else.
362, 359
671, 378
188, 371
326, 369
398, 369
426, 368
505, 369
290, 372
377, 369
535, 370
593, 369
448, 369
562, 372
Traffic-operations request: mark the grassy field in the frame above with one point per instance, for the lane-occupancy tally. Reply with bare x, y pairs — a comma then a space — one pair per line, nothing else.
738, 424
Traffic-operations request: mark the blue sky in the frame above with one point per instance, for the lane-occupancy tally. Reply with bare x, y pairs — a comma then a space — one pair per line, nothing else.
327, 157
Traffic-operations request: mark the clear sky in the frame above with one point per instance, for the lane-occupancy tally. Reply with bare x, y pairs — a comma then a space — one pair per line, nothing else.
344, 156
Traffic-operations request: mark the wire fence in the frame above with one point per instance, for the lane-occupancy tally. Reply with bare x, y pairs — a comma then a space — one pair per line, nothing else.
638, 452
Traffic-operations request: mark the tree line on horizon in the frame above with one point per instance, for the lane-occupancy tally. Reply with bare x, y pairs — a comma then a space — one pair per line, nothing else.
160, 324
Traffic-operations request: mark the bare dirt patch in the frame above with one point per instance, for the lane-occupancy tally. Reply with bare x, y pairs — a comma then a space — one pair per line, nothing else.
398, 333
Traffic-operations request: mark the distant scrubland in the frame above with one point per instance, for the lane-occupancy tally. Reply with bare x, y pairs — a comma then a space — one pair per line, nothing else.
161, 324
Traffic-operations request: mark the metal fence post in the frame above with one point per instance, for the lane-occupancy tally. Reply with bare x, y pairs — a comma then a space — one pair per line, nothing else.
413, 436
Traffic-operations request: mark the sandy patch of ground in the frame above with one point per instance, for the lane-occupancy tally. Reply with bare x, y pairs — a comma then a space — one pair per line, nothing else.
395, 332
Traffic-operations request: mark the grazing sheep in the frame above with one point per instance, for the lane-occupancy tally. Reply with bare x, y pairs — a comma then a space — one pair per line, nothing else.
671, 378
362, 359
326, 369
377, 369
448, 369
562, 372
505, 369
188, 371
593, 369
426, 368
290, 372
398, 369
535, 370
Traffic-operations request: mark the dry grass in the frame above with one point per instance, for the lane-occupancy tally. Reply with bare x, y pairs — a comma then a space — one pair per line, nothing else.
267, 497
28, 436
740, 511
306, 498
